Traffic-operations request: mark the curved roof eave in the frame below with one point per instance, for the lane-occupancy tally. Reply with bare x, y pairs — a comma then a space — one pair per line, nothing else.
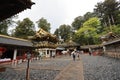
9, 8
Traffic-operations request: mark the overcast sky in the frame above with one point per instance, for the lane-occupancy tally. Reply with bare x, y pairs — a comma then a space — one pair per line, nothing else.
58, 12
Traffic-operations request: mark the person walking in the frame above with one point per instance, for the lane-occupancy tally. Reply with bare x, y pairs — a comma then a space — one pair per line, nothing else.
90, 51
73, 55
40, 55
78, 55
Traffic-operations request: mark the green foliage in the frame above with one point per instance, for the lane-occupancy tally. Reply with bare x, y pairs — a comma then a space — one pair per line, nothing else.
56, 33
42, 23
3, 27
64, 32
78, 22
5, 24
88, 15
99, 9
92, 22
88, 34
24, 29
108, 11
116, 29
118, 19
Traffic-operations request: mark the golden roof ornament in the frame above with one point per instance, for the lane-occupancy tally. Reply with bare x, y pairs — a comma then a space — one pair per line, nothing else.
45, 39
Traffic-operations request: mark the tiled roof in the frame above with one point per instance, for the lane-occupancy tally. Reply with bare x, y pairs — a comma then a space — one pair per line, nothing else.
115, 41
91, 46
69, 44
110, 38
6, 40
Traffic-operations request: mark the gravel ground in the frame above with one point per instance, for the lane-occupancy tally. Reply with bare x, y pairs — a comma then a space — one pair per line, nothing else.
11, 74
101, 68
36, 73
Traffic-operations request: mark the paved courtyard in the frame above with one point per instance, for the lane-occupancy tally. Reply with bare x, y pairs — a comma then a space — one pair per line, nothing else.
64, 68
101, 68
46, 69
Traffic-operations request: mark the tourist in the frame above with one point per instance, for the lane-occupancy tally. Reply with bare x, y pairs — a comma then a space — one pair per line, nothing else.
74, 55
90, 51
78, 55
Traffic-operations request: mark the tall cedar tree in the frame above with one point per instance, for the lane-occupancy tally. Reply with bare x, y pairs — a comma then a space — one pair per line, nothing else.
24, 29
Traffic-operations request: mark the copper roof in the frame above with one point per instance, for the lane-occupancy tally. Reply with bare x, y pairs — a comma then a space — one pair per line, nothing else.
9, 8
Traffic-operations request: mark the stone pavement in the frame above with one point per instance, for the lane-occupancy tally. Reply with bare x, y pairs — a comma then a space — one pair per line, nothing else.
62, 68
101, 68
74, 71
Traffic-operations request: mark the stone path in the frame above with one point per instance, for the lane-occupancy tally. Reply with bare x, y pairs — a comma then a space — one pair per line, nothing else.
73, 71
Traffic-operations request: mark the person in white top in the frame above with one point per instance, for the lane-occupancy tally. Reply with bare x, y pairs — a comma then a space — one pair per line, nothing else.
73, 55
